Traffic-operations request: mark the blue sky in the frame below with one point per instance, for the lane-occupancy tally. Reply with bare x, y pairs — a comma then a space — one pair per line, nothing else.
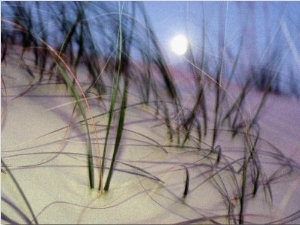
255, 32
269, 30
262, 20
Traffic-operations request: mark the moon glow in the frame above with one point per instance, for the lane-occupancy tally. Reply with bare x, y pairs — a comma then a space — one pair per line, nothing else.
179, 44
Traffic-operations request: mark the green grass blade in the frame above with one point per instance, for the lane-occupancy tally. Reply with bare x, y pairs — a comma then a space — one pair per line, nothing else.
82, 111
112, 106
20, 190
118, 137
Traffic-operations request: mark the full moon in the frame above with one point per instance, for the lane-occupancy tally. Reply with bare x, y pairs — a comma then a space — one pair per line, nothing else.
179, 44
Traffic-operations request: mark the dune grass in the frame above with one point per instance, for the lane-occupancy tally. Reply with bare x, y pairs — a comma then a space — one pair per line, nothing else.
122, 84
3, 199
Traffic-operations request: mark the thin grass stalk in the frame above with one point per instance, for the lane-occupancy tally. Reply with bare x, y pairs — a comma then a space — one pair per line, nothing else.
119, 134
217, 106
20, 190
94, 68
217, 172
81, 20
237, 187
112, 105
75, 94
221, 187
159, 59
89, 150
3, 50
200, 101
227, 115
165, 73
168, 122
92, 61
147, 79
123, 60
23, 18
42, 50
238, 104
144, 172
255, 161
198, 74
203, 102
110, 116
6, 218
235, 64
187, 181
288, 219
244, 185
151, 139
249, 153
262, 103
219, 82
224, 193
68, 39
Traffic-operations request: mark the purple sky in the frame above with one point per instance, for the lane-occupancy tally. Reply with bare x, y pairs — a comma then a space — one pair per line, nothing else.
269, 30
256, 33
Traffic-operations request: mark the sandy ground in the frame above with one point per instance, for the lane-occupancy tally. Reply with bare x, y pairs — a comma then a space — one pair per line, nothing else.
45, 149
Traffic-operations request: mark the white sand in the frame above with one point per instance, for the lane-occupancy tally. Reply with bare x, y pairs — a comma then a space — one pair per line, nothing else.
50, 163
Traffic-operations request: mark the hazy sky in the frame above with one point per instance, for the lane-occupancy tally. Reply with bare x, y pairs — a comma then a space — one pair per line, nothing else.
261, 31
254, 32
256, 20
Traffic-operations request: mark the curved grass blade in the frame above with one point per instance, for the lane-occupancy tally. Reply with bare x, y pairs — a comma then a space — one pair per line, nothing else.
82, 111
8, 219
20, 190
118, 137
112, 106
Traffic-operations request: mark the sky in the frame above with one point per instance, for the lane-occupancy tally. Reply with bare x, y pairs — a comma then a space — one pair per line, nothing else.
262, 20
267, 31
257, 33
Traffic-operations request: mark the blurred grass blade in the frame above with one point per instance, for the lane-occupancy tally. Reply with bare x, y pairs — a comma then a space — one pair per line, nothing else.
118, 137
7, 218
82, 111
20, 190
187, 181
112, 105
218, 150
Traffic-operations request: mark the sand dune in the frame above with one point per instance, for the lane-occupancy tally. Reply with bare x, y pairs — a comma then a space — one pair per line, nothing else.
44, 146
